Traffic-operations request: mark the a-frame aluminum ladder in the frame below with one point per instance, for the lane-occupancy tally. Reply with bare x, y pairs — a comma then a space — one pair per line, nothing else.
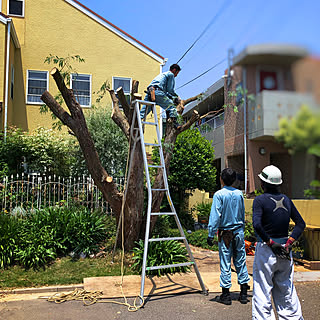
141, 125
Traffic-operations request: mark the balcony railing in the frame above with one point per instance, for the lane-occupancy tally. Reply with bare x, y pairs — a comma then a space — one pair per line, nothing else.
212, 124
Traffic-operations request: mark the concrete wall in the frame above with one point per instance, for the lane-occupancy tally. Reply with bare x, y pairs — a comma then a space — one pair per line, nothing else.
217, 138
269, 107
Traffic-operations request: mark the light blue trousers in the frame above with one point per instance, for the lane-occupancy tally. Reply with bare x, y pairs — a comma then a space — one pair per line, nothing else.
238, 252
272, 275
161, 100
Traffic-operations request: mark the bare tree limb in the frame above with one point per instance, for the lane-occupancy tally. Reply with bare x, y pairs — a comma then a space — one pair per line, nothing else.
57, 110
67, 94
195, 117
183, 103
123, 100
117, 116
211, 112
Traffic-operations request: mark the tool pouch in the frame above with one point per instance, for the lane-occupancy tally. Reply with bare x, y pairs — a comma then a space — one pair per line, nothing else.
226, 236
152, 94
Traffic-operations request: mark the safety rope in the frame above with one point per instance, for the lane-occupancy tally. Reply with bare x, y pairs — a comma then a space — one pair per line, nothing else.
88, 298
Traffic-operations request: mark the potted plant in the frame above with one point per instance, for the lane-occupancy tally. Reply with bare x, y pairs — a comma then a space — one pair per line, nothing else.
202, 210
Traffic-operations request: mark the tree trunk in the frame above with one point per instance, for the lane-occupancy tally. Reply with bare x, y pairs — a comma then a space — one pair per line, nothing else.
134, 215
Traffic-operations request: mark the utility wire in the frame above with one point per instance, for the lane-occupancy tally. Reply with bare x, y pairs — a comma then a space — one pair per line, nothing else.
225, 4
203, 73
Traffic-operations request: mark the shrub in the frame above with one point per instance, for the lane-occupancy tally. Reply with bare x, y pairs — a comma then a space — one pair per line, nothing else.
8, 239
110, 143
162, 226
44, 151
35, 239
85, 231
75, 229
199, 239
161, 253
37, 245
249, 233
203, 209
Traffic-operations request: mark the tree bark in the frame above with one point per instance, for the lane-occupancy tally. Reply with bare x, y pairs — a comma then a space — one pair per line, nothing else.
134, 215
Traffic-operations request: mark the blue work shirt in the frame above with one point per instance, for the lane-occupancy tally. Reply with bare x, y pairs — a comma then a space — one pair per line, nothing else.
165, 81
227, 210
271, 217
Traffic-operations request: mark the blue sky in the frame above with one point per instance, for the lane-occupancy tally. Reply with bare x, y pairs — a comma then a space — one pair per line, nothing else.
169, 27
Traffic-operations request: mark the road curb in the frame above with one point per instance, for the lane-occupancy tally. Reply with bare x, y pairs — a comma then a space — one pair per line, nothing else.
43, 289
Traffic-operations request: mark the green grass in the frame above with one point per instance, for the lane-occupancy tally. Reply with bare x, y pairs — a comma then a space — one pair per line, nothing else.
63, 271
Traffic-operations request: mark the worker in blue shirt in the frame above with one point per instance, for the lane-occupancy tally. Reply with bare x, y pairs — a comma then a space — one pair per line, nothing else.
228, 217
161, 91
273, 264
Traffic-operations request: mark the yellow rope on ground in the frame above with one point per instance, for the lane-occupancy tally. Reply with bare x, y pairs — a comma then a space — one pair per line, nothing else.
88, 298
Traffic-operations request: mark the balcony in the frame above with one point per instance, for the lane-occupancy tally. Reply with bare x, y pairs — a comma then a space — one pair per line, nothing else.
270, 106
211, 124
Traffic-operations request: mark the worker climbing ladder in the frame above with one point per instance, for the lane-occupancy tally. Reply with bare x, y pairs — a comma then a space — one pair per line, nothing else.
139, 132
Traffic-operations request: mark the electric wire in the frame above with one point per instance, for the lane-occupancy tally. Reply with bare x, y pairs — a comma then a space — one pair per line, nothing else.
203, 73
225, 4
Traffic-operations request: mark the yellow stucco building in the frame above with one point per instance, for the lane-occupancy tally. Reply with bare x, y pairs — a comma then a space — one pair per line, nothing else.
31, 30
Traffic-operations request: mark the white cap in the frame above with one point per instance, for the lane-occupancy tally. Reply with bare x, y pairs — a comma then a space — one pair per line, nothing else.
271, 174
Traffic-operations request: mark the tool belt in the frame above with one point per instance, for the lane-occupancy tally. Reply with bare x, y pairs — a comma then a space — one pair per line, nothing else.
226, 236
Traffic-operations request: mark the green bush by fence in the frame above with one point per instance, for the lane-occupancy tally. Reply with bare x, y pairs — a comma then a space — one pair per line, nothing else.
37, 238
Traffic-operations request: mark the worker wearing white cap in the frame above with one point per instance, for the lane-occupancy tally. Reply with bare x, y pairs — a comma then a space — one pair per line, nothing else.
273, 264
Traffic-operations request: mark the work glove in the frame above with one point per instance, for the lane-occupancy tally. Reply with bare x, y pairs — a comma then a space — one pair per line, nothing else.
288, 245
210, 241
279, 250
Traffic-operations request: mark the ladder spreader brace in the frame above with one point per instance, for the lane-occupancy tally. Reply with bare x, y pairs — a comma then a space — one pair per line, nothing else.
141, 125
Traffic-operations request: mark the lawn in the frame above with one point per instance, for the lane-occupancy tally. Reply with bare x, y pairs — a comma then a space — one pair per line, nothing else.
64, 271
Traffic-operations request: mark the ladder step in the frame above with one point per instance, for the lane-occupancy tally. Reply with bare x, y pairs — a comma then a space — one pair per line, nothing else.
152, 144
159, 189
162, 213
166, 239
152, 123
154, 166
170, 266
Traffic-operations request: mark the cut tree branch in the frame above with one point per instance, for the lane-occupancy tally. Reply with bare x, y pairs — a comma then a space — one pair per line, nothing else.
123, 100
117, 116
67, 94
57, 110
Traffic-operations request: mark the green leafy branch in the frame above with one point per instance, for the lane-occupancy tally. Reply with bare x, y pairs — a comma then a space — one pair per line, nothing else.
239, 92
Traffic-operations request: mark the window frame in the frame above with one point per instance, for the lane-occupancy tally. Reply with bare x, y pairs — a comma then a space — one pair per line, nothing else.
27, 86
90, 83
16, 15
113, 88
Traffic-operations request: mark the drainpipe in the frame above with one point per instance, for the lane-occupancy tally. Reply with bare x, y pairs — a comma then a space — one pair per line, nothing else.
244, 81
6, 98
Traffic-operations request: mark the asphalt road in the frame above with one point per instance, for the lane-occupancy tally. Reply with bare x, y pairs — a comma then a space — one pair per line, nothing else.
179, 307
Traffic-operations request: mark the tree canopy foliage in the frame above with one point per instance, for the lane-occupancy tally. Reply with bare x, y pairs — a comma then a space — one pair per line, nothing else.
302, 132
109, 140
191, 166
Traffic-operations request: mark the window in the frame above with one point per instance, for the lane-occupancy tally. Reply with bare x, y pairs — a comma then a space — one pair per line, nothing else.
37, 83
16, 7
268, 80
12, 82
125, 83
81, 85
